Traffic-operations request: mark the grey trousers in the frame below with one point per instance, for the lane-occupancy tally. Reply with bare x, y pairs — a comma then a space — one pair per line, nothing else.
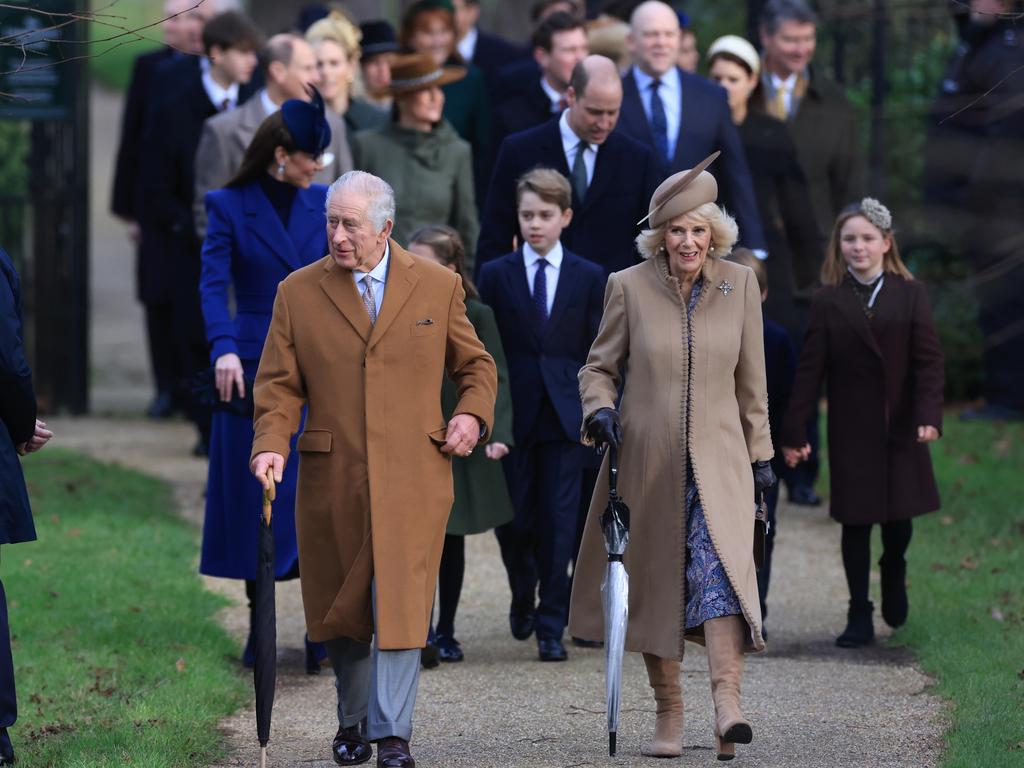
375, 684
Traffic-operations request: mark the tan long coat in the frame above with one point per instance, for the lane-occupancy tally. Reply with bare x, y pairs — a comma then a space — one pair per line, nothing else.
374, 491
643, 334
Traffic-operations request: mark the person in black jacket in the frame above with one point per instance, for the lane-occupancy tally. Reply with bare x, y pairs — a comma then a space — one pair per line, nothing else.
796, 246
20, 433
182, 29
486, 51
167, 183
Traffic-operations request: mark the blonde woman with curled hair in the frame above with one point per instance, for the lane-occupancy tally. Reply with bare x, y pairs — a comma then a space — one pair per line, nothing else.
335, 40
681, 336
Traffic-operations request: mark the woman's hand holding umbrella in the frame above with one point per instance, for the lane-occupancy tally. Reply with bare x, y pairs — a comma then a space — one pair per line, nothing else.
604, 428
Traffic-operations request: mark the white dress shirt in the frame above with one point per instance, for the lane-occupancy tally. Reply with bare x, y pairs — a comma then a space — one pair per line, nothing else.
671, 93
552, 94
377, 276
269, 107
467, 45
553, 269
571, 145
787, 86
218, 94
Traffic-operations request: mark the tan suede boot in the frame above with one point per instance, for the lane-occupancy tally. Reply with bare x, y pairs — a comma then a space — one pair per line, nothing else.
668, 694
724, 641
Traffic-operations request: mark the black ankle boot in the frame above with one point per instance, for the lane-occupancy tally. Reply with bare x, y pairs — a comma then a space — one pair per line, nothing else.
894, 591
860, 630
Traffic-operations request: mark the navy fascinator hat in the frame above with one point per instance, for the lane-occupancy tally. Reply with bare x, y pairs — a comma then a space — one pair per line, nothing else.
307, 123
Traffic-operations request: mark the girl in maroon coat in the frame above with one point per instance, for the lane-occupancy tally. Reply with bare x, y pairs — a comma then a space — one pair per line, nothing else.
872, 339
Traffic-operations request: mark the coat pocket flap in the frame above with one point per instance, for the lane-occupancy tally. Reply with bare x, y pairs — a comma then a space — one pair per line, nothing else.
438, 436
315, 441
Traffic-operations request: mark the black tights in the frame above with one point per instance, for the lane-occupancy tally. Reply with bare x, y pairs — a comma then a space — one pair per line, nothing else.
449, 583
857, 553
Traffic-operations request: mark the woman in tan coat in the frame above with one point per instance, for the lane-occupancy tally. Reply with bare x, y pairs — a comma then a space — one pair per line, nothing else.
681, 334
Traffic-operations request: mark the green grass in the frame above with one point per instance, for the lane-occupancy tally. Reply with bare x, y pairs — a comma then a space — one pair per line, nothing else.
967, 592
112, 59
119, 660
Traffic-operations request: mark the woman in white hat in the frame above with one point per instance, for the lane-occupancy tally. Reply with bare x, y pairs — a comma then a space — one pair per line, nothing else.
681, 335
795, 243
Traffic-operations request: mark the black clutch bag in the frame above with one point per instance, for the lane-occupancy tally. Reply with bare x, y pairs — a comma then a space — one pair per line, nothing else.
204, 389
760, 530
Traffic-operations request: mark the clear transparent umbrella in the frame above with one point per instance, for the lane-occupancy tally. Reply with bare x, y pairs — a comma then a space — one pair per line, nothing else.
614, 595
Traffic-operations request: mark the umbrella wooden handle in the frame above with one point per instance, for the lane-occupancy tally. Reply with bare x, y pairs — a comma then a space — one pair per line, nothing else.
269, 494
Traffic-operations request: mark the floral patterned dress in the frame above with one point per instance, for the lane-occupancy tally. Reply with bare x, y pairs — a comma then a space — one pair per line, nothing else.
708, 591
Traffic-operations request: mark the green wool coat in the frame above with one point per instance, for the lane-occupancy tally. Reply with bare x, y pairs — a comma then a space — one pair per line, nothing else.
431, 173
481, 496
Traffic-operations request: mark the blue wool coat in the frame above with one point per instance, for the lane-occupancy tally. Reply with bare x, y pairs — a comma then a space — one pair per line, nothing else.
248, 250
17, 411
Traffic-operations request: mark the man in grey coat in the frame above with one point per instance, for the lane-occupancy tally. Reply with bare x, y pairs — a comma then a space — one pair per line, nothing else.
289, 68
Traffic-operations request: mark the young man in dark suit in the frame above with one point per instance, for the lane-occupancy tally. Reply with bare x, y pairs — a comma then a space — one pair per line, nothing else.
683, 117
487, 52
167, 182
612, 176
548, 303
559, 44
182, 30
20, 433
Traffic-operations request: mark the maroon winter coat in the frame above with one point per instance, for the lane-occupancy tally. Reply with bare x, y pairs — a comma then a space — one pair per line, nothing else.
884, 378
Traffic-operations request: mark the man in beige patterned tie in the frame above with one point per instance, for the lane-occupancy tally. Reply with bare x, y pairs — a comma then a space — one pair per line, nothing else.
364, 338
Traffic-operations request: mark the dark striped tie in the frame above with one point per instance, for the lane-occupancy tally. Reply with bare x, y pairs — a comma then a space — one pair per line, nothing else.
659, 123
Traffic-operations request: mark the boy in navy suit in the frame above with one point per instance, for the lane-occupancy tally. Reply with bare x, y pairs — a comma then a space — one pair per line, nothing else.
780, 367
548, 303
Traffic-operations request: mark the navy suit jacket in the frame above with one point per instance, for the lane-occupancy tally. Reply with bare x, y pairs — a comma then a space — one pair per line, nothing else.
604, 225
519, 112
124, 196
706, 126
544, 362
492, 54
248, 248
17, 411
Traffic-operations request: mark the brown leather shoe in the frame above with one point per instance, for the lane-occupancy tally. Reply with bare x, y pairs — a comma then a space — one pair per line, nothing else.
393, 752
350, 746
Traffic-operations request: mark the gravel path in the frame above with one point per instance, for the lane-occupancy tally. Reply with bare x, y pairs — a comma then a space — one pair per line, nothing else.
811, 703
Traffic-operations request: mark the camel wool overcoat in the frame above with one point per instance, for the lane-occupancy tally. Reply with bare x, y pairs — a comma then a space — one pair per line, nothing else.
642, 343
374, 490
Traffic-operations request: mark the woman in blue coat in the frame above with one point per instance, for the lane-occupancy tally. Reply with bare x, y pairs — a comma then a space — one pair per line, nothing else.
266, 223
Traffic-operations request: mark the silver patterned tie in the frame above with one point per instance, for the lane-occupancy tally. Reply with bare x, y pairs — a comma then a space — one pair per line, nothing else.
368, 301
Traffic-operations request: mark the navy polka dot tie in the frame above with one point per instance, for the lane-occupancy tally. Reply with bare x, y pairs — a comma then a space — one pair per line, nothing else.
540, 293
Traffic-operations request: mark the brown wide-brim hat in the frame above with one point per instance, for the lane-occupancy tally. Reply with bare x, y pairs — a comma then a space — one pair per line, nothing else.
681, 193
417, 71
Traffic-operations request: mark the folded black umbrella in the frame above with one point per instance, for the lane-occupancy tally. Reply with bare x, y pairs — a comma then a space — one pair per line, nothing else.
264, 625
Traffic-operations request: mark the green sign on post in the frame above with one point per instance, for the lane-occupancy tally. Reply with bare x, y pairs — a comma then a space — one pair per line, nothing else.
34, 84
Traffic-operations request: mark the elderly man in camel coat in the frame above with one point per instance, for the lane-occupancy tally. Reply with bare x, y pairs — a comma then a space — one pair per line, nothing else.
364, 338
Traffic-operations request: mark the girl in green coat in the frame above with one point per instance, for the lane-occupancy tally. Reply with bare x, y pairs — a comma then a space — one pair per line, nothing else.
481, 496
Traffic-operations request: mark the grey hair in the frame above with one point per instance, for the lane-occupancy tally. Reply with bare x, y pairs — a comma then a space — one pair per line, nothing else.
724, 232
379, 195
775, 12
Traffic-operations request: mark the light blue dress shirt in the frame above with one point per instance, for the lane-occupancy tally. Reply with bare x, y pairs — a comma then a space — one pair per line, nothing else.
671, 93
377, 277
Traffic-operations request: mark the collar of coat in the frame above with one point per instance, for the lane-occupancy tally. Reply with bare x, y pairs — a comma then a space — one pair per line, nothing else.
709, 272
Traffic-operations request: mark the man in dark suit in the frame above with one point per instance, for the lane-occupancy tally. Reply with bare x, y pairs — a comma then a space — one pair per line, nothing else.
182, 30
819, 117
170, 264
20, 433
548, 304
612, 176
487, 52
824, 129
683, 117
559, 44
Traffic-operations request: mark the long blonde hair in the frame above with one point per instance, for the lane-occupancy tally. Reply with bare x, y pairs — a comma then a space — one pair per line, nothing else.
833, 270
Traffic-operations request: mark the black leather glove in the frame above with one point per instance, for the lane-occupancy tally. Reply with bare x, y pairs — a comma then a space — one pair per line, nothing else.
764, 477
603, 428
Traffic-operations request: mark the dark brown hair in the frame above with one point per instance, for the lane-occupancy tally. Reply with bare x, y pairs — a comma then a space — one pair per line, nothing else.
271, 134
746, 257
447, 245
232, 29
